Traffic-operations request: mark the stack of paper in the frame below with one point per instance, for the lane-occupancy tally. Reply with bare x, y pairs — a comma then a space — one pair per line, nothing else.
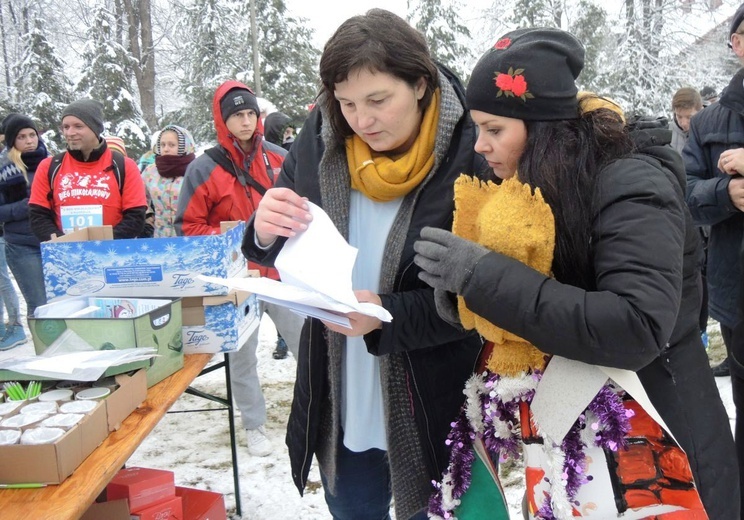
315, 267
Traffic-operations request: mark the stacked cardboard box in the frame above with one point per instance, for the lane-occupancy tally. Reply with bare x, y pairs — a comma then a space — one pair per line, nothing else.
53, 463
89, 262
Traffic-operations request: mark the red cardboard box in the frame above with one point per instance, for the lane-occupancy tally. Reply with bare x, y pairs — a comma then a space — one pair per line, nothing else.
201, 505
169, 509
143, 487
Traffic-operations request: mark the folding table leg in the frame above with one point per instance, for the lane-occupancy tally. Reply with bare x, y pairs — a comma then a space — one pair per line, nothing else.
233, 448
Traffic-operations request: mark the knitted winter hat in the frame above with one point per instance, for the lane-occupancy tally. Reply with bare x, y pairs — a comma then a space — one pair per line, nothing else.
528, 74
14, 124
116, 143
5, 120
87, 110
185, 140
736, 21
236, 100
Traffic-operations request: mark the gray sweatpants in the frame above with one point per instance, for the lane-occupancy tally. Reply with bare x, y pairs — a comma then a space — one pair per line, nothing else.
246, 387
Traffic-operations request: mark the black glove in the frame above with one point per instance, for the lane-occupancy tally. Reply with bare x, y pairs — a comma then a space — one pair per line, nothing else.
447, 261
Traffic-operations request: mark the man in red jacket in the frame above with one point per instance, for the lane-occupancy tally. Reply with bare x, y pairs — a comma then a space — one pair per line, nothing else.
227, 183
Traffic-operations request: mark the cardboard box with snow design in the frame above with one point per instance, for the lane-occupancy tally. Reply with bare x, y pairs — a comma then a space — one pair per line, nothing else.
219, 323
89, 262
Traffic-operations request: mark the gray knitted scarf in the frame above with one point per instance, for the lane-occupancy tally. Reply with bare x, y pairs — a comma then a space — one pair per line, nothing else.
410, 481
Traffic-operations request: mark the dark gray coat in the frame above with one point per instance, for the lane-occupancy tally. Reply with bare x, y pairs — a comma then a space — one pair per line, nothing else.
718, 127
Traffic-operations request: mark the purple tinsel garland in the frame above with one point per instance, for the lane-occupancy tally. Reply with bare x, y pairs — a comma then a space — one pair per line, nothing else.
611, 427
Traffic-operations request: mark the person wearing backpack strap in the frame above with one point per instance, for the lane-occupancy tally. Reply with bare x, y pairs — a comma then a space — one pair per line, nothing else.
88, 188
226, 183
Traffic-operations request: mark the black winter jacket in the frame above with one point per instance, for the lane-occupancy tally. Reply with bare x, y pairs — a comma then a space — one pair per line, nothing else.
718, 127
438, 358
642, 316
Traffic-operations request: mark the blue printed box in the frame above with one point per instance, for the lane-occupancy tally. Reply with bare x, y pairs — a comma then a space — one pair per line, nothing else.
89, 262
219, 323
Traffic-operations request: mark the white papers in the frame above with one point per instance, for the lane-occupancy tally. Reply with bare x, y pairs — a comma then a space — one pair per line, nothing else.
315, 267
76, 366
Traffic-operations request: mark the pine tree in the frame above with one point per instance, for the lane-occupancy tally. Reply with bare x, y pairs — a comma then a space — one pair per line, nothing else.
289, 61
589, 24
439, 21
43, 85
219, 48
107, 77
215, 34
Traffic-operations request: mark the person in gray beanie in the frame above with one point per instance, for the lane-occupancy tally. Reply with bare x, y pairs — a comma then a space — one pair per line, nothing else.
61, 195
87, 110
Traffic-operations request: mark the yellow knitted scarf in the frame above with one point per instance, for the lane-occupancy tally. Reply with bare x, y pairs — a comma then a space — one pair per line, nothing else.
508, 219
381, 178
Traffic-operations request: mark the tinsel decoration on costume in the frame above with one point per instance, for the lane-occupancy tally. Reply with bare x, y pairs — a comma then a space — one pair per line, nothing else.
588, 471
492, 413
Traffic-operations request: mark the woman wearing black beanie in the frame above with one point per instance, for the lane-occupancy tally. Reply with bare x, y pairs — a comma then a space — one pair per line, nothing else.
18, 162
580, 267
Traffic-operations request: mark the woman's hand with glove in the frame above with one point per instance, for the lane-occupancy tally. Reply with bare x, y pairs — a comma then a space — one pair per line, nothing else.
447, 261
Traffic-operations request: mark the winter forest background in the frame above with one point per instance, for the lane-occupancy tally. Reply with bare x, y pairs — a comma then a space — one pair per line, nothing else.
155, 62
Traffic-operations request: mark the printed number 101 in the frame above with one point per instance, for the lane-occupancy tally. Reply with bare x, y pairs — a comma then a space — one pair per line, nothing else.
79, 221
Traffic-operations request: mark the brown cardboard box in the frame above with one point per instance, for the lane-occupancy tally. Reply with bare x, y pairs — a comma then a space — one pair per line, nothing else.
53, 463
114, 510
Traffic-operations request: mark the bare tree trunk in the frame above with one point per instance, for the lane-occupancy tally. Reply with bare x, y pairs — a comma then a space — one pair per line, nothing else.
256, 59
120, 17
6, 63
141, 46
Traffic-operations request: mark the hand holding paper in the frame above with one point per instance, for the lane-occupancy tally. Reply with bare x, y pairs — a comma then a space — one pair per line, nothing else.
315, 267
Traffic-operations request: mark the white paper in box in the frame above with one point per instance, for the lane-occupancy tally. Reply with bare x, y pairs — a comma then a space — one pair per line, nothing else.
85, 263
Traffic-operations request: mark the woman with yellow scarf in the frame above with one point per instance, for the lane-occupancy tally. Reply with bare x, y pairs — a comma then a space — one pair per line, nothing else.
580, 270
380, 154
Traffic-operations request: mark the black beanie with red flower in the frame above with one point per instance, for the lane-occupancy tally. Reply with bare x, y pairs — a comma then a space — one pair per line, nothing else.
529, 74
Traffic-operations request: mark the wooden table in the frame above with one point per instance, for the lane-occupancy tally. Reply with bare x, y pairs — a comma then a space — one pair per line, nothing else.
71, 499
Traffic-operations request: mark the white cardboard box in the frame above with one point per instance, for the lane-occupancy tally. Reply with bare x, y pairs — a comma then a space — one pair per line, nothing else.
219, 323
89, 262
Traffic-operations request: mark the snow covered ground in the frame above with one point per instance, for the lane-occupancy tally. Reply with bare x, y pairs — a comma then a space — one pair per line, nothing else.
196, 446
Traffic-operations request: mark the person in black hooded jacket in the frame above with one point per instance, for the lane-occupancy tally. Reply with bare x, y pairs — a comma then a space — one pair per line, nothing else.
625, 287
379, 154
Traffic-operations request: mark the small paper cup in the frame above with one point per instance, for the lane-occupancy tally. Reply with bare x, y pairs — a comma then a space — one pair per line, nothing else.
59, 395
78, 406
24, 421
94, 394
10, 408
41, 435
49, 407
62, 420
9, 437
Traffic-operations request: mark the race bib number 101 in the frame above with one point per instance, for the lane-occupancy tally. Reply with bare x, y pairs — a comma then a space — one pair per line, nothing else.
76, 217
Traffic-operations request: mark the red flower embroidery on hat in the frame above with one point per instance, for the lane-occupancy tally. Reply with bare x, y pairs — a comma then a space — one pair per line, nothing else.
512, 84
502, 44
504, 82
519, 86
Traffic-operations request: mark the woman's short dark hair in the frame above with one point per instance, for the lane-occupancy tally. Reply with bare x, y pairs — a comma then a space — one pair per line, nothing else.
378, 41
